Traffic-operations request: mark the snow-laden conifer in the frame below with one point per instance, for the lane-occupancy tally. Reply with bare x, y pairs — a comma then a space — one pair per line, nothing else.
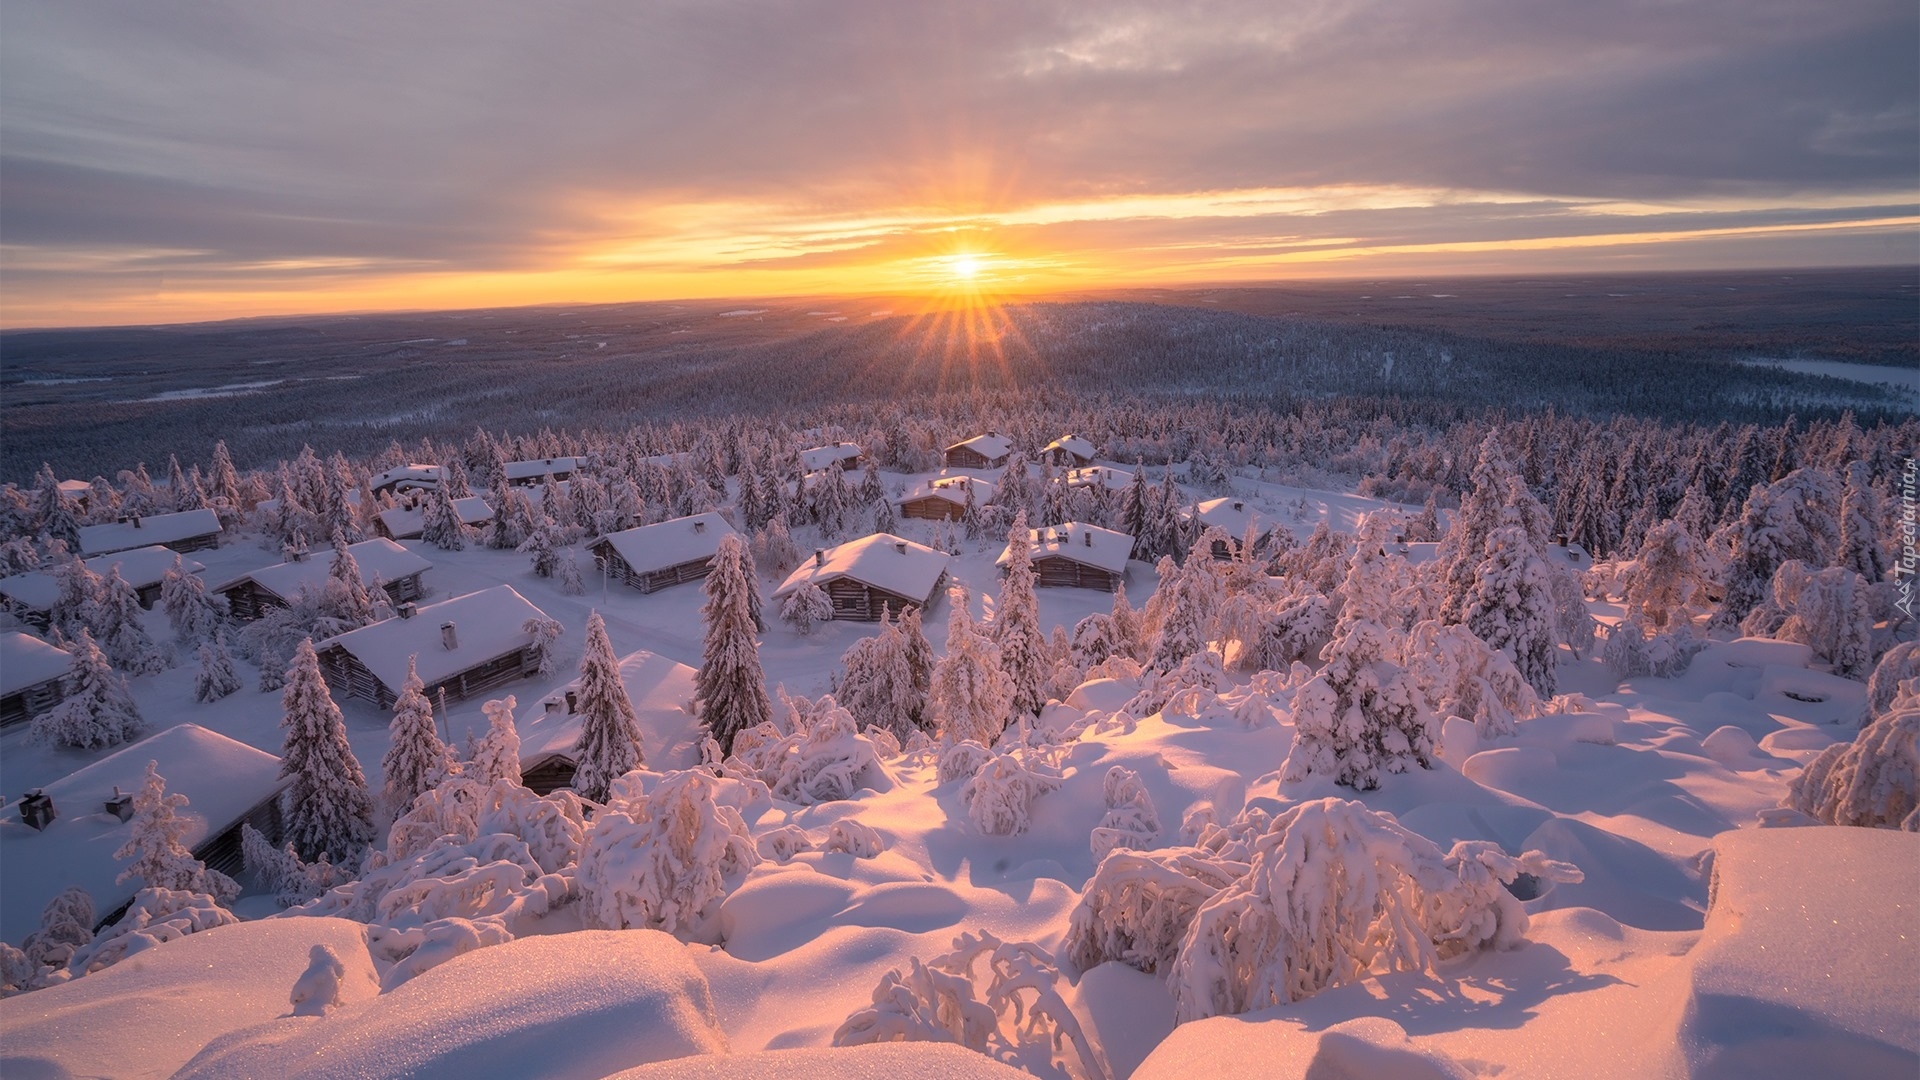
97, 711
154, 851
416, 759
609, 744
730, 691
327, 807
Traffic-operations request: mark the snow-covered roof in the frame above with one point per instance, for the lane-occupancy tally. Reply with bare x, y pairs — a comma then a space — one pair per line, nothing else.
655, 685
670, 543
822, 456
883, 560
380, 561
1570, 555
405, 523
408, 476
487, 625
992, 445
1105, 476
141, 531
953, 489
222, 780
1232, 514
139, 567
1072, 444
535, 470
1076, 540
26, 661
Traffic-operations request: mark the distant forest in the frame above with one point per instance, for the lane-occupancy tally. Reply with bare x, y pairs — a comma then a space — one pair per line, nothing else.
93, 402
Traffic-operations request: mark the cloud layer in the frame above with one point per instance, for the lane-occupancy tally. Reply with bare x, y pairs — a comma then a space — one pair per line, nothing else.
261, 155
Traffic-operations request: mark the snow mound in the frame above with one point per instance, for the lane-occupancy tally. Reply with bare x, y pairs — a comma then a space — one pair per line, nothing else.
146, 1018
1225, 1048
1799, 972
581, 1005
879, 1061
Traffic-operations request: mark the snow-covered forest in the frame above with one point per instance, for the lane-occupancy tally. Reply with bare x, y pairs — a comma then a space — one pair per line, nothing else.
1415, 740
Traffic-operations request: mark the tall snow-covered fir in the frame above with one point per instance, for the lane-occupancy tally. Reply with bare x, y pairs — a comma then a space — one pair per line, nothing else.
731, 693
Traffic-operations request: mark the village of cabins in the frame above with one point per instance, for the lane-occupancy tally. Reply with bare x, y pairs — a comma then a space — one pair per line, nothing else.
467, 645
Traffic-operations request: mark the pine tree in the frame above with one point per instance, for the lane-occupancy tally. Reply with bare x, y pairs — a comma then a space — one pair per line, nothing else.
876, 683
971, 697
96, 711
78, 594
497, 755
919, 654
1016, 624
440, 523
1184, 604
567, 569
1860, 549
805, 608
1510, 606
216, 677
1133, 513
1360, 716
327, 808
1668, 574
225, 484
122, 636
416, 759
731, 692
545, 545
343, 596
609, 746
1465, 544
195, 613
155, 845
1126, 625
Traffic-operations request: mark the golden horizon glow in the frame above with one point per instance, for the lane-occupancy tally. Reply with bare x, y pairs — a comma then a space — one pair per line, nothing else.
714, 249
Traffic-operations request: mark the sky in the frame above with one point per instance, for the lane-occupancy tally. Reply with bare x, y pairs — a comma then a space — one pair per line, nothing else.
168, 162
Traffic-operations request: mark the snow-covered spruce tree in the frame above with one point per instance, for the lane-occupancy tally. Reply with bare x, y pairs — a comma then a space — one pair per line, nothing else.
1860, 511
155, 854
1511, 607
122, 636
1828, 611
195, 613
919, 654
609, 744
805, 608
1130, 821
1872, 781
497, 755
1463, 676
1129, 633
1669, 573
1294, 631
1464, 546
440, 523
545, 544
943, 1000
876, 683
1361, 716
542, 632
970, 696
78, 594
1016, 623
664, 861
96, 711
155, 917
1902, 662
1000, 795
416, 759
66, 926
327, 808
1192, 594
1337, 892
1789, 519
730, 691
567, 570
216, 677
1373, 576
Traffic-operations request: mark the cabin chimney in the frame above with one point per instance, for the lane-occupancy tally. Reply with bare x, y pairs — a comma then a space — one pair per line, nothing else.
900, 546
447, 636
36, 809
1238, 505
699, 526
407, 610
819, 558
1088, 537
136, 521
120, 806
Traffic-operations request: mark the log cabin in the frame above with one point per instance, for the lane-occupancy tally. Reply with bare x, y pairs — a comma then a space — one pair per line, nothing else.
945, 498
873, 574
30, 597
987, 451
653, 557
383, 564
31, 673
462, 646
1075, 555
1069, 451
186, 531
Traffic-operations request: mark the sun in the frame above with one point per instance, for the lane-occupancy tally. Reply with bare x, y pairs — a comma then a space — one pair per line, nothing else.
964, 267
